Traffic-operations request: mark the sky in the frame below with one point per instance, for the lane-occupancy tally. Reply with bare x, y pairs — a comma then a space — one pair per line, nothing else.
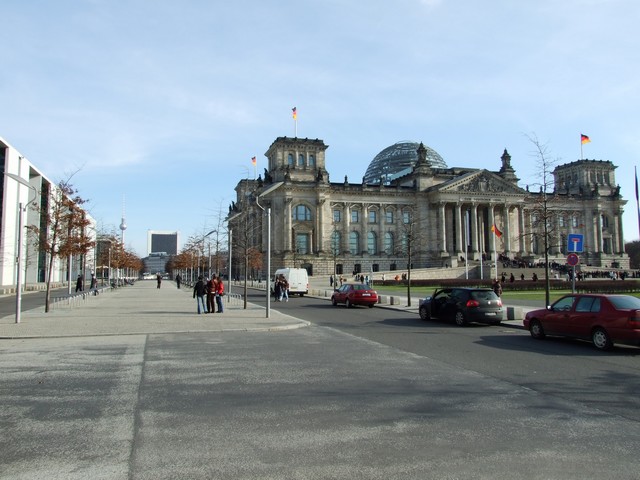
156, 107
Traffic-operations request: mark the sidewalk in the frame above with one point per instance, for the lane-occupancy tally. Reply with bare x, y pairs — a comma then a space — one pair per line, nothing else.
143, 309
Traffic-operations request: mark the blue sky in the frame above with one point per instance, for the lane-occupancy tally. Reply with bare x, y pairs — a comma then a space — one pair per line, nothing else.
164, 103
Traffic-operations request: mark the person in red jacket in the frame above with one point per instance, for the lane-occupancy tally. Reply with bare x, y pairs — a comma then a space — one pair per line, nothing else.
219, 293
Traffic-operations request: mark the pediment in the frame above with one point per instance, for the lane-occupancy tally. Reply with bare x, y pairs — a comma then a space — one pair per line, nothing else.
481, 181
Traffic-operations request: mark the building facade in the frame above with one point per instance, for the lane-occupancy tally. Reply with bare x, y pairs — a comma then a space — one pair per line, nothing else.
24, 189
412, 207
163, 241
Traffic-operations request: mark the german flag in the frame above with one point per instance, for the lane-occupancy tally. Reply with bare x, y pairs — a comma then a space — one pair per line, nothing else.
495, 230
584, 139
295, 113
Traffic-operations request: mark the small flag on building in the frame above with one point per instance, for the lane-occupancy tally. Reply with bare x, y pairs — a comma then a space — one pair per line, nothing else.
254, 161
295, 113
584, 139
495, 230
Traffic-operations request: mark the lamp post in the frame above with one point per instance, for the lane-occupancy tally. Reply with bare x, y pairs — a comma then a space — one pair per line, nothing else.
268, 210
205, 236
21, 210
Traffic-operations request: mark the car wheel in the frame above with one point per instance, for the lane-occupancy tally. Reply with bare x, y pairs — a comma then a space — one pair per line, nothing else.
424, 313
348, 303
536, 330
460, 319
371, 305
601, 339
334, 301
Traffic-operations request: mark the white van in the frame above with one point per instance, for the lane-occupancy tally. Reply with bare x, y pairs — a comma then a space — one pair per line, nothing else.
298, 279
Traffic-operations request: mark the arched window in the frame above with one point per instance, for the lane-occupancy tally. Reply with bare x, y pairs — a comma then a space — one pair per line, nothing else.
301, 160
354, 243
290, 160
301, 213
372, 243
312, 161
336, 240
388, 243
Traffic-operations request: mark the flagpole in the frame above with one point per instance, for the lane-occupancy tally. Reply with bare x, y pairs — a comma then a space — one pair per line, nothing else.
637, 201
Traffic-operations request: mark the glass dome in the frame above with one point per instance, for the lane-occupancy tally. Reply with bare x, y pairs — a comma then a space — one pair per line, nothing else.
398, 160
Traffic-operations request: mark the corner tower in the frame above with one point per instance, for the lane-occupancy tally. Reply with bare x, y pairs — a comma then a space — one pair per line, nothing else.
296, 159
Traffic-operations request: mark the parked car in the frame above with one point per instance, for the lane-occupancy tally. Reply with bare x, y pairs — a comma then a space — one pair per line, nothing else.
602, 319
463, 305
355, 294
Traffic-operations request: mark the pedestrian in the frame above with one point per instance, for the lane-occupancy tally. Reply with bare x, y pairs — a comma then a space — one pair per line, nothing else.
497, 287
284, 289
277, 288
512, 278
219, 293
331, 280
199, 291
159, 279
211, 294
178, 280
79, 283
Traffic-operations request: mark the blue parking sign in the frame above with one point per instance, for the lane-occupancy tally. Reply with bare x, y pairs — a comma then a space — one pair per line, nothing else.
576, 242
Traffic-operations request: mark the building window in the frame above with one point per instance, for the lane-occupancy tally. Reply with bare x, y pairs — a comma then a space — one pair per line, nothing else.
575, 221
355, 216
605, 222
388, 243
354, 243
337, 216
372, 243
406, 217
301, 213
301, 160
302, 243
290, 160
336, 240
312, 161
561, 222
405, 243
388, 216
373, 216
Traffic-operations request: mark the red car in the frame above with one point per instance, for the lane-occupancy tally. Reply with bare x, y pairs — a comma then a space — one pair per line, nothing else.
602, 319
355, 294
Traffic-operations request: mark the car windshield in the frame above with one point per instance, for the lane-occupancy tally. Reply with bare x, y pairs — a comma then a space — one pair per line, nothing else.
361, 287
625, 302
483, 295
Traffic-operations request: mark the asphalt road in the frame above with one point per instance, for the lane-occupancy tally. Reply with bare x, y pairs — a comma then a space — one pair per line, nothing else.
362, 393
569, 369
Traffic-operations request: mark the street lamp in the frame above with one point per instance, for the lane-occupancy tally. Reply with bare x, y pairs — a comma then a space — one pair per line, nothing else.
21, 210
205, 236
268, 282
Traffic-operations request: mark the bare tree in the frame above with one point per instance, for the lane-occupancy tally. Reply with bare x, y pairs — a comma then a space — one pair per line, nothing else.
64, 230
542, 214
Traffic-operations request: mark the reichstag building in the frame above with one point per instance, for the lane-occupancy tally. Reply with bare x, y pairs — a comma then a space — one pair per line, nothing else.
411, 205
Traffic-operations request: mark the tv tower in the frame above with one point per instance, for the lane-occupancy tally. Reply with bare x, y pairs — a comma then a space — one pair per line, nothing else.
123, 223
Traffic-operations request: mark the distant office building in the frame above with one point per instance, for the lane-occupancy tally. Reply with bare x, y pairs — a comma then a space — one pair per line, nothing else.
162, 241
156, 263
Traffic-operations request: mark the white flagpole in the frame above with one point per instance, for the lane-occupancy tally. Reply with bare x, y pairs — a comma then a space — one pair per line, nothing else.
466, 245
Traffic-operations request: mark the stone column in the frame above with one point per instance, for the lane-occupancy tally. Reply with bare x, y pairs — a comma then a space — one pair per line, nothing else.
474, 231
287, 225
492, 236
521, 228
507, 231
443, 228
459, 232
